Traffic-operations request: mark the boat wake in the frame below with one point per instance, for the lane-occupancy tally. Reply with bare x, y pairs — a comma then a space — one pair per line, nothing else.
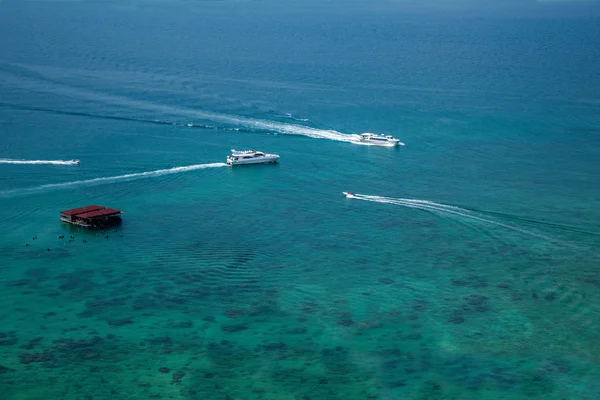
290, 116
242, 123
123, 118
109, 179
292, 129
38, 162
449, 211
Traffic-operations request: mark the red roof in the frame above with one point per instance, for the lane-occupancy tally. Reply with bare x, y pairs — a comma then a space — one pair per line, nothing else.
81, 210
99, 213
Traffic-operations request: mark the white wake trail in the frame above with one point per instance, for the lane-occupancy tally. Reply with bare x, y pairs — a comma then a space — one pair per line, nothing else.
37, 162
111, 179
291, 129
246, 122
444, 209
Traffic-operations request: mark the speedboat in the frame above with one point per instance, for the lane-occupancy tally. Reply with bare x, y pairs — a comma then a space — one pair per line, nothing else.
251, 157
379, 140
74, 161
349, 194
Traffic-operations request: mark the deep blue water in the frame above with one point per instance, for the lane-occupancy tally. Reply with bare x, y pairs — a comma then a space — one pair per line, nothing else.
466, 269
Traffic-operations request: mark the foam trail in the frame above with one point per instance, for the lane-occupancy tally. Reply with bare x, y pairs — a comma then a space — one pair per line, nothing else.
120, 118
37, 162
445, 209
279, 127
110, 179
290, 116
291, 129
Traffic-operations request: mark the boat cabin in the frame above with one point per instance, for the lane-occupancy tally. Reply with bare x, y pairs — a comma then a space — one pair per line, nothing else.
246, 155
376, 138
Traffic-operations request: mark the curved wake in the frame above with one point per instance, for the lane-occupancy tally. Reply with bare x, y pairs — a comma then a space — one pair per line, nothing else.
447, 210
37, 162
110, 179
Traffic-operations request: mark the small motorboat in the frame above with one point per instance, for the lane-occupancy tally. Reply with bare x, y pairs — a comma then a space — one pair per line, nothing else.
349, 194
75, 161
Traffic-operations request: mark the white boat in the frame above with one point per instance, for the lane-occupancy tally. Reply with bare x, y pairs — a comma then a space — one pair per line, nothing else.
251, 157
349, 194
76, 162
379, 140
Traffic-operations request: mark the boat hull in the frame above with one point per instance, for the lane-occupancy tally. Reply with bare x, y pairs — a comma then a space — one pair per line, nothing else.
381, 143
265, 160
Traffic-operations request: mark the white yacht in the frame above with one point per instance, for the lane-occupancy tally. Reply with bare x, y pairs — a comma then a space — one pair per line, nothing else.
251, 157
379, 140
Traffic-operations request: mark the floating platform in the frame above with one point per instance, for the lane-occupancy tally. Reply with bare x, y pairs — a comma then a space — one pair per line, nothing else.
95, 217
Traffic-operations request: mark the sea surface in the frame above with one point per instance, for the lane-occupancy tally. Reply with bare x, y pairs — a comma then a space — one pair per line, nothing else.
467, 265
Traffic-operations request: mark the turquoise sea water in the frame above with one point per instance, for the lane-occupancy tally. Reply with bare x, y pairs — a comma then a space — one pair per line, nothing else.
467, 267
